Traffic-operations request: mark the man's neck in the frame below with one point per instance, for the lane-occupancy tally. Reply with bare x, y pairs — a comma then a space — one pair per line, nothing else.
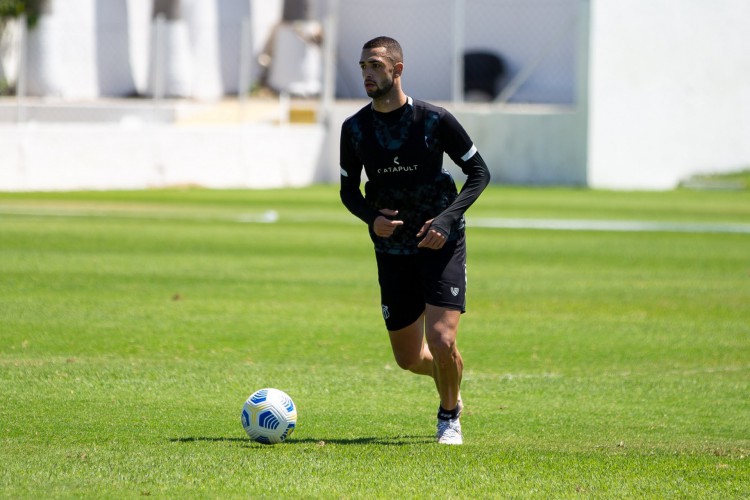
388, 103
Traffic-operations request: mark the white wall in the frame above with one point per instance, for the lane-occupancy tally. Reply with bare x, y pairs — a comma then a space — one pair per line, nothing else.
669, 90
137, 155
521, 144
521, 31
136, 147
62, 52
92, 48
542, 145
667, 97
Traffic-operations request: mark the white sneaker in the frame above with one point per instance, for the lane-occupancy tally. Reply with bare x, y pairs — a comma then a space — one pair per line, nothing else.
449, 431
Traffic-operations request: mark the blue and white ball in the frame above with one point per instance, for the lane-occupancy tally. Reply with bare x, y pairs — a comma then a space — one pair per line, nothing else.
269, 416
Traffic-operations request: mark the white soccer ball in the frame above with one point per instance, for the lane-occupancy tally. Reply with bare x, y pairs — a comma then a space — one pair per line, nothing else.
269, 416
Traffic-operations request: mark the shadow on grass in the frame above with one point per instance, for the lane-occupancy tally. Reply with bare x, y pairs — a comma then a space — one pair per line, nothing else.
385, 441
211, 439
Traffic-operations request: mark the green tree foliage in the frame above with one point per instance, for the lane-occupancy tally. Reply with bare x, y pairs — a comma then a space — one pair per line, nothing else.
14, 8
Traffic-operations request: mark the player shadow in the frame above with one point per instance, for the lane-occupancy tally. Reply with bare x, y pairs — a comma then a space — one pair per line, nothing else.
381, 440
203, 438
320, 441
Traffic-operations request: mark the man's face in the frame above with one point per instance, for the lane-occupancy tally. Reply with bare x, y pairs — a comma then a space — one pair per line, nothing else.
377, 72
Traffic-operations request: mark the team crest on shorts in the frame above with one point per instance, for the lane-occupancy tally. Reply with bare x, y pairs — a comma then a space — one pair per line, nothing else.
386, 312
455, 290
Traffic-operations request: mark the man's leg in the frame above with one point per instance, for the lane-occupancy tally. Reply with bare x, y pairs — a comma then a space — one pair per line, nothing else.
409, 349
441, 326
439, 358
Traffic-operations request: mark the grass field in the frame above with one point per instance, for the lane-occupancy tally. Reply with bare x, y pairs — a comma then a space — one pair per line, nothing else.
599, 363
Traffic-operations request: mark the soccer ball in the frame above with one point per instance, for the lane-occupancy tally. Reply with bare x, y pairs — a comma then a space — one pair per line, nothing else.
269, 416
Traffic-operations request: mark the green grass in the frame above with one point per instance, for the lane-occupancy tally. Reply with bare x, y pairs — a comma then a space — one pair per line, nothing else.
599, 364
737, 180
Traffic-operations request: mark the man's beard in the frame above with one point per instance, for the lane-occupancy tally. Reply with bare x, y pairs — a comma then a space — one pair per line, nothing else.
380, 92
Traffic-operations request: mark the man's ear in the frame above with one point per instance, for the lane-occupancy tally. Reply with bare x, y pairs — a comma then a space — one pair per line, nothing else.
398, 68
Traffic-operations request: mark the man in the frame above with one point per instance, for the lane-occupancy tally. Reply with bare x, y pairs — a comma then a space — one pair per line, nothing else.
415, 217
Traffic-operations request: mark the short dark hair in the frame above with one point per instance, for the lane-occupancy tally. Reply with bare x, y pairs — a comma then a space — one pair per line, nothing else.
392, 47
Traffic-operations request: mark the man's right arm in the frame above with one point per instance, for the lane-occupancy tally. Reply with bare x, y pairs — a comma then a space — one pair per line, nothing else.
351, 177
353, 200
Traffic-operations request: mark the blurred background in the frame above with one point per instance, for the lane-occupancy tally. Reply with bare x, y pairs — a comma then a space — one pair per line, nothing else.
129, 94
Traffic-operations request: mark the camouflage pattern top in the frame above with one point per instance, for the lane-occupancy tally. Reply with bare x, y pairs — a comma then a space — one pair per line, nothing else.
402, 155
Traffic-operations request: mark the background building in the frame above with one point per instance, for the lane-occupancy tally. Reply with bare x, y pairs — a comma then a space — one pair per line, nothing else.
600, 93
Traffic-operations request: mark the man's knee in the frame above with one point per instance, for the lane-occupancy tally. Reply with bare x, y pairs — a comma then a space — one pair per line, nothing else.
442, 348
407, 361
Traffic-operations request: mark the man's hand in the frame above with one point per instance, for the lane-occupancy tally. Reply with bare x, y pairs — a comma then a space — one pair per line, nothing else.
383, 226
432, 239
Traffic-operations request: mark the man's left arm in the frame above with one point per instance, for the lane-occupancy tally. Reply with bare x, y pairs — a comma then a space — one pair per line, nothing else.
478, 177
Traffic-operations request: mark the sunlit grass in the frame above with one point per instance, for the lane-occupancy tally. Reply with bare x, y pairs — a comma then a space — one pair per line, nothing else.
135, 324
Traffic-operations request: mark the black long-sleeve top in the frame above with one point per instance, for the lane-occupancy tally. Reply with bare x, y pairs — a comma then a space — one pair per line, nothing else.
402, 155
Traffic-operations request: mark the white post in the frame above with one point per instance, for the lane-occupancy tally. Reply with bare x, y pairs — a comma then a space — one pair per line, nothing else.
329, 62
159, 60
459, 23
23, 32
582, 84
582, 55
246, 55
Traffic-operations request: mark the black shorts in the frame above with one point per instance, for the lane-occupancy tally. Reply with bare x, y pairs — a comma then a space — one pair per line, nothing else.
408, 282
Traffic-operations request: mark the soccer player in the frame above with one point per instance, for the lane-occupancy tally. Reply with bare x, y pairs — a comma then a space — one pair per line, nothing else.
415, 217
